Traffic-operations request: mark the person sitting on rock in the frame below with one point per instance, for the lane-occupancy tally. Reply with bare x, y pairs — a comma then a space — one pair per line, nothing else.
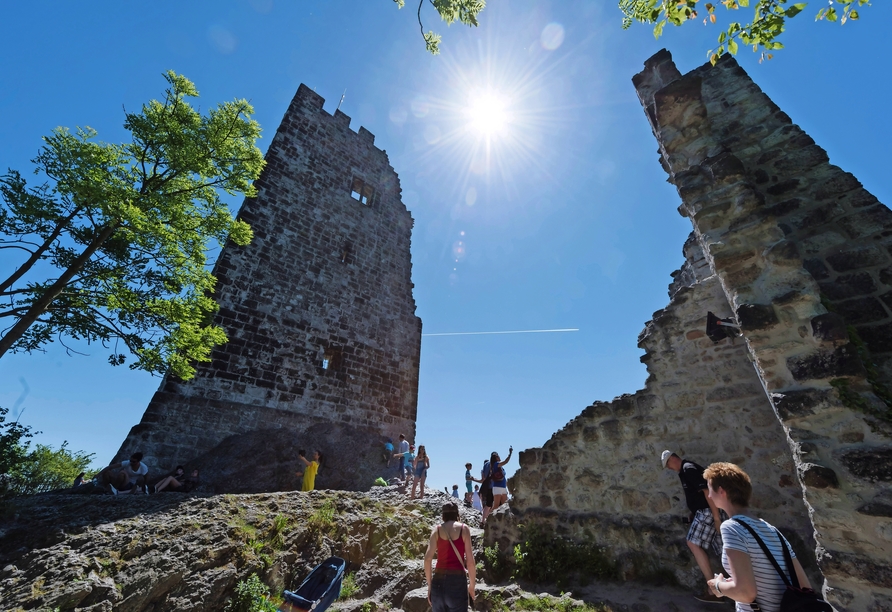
125, 476
705, 516
312, 468
175, 480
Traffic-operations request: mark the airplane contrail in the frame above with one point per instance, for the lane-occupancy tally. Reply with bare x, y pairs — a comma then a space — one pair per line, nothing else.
490, 333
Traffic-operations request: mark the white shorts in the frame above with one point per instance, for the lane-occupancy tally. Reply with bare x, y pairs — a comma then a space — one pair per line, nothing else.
499, 491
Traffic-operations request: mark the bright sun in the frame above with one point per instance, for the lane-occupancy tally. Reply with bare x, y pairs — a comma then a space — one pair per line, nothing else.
488, 114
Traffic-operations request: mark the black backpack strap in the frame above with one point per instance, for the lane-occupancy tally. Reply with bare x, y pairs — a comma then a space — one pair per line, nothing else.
771, 558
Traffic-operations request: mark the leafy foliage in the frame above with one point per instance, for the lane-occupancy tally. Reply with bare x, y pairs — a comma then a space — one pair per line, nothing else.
769, 20
545, 559
349, 588
115, 245
42, 469
251, 595
464, 11
45, 469
13, 443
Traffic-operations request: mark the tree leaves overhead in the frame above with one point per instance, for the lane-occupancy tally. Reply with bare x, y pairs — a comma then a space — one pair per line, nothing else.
464, 11
115, 243
769, 20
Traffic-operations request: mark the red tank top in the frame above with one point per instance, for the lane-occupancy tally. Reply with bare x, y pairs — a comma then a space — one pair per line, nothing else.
446, 559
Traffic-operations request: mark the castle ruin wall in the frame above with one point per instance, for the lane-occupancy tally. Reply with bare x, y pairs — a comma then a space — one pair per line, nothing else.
318, 307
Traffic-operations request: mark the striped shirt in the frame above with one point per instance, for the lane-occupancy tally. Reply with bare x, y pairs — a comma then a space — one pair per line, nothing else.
769, 586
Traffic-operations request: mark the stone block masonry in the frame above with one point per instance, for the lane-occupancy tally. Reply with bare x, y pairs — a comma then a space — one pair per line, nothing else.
318, 308
801, 251
600, 479
800, 254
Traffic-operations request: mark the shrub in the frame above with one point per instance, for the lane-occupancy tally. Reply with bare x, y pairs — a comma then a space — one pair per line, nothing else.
546, 559
251, 595
349, 587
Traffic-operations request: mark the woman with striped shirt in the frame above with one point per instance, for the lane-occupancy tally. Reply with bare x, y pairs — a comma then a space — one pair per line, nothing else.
753, 577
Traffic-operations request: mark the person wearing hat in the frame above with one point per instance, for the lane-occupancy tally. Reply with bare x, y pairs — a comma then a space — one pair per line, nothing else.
705, 516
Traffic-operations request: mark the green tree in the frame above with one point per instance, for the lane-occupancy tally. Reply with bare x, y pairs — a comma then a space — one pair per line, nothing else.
115, 244
769, 20
45, 469
465, 11
13, 443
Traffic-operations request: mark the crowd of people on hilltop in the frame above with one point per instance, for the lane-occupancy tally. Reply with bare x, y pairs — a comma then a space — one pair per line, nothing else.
488, 495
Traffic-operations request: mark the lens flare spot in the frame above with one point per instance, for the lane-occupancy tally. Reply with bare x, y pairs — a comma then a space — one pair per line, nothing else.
398, 115
420, 107
458, 250
470, 198
432, 134
552, 36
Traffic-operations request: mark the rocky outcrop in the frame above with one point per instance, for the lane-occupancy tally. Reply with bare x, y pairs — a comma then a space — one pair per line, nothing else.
170, 552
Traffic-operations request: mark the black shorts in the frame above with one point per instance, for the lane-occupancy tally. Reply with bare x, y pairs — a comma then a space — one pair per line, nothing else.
486, 497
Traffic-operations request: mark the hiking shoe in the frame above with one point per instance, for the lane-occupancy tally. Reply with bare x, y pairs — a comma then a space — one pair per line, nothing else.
709, 597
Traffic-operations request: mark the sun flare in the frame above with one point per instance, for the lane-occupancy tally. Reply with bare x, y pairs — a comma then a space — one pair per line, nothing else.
488, 114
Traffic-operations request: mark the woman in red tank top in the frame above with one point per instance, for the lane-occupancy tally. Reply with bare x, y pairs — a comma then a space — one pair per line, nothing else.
449, 586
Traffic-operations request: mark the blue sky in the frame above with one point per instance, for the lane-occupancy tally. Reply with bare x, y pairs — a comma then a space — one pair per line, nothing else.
567, 223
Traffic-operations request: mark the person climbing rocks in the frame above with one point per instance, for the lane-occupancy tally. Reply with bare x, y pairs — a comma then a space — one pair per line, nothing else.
706, 518
388, 451
312, 468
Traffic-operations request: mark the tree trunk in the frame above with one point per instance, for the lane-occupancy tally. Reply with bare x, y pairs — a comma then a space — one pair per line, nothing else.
40, 306
38, 253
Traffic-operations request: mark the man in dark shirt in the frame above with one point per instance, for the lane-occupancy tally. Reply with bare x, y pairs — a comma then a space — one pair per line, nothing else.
705, 517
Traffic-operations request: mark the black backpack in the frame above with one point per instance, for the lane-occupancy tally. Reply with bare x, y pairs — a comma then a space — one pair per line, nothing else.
795, 599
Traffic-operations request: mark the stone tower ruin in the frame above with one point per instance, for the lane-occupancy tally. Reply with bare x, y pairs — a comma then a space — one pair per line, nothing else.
324, 343
800, 255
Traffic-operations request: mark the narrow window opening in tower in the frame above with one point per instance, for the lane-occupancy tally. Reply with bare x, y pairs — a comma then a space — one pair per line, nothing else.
361, 192
347, 252
330, 359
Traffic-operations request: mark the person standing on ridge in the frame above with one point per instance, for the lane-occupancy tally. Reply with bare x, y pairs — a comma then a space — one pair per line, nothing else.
499, 478
705, 516
401, 450
312, 468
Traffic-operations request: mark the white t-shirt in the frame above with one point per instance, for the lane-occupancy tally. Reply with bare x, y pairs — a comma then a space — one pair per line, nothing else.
769, 585
404, 446
141, 471
476, 503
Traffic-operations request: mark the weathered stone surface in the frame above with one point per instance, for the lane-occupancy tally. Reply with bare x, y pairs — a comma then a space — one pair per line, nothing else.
756, 316
318, 308
170, 552
818, 476
784, 194
829, 327
616, 491
873, 464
